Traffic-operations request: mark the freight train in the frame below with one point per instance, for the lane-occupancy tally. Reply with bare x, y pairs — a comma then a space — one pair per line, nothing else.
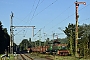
53, 48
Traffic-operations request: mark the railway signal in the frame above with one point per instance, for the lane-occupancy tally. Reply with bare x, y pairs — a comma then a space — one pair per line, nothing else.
76, 31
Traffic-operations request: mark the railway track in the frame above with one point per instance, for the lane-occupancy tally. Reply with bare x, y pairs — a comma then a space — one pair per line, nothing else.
25, 57
34, 57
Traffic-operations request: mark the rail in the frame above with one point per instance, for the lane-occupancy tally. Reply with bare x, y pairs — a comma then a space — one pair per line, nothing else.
25, 57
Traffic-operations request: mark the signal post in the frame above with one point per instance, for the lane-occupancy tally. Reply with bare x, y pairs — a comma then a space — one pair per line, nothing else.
76, 30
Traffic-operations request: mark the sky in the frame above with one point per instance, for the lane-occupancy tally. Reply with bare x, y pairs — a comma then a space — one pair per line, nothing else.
46, 15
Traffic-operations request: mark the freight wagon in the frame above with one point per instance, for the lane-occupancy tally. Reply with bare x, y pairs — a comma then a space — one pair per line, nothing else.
40, 49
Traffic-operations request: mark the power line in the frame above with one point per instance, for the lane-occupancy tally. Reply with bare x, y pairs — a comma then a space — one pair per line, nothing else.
60, 14
85, 19
68, 17
22, 20
65, 18
56, 16
35, 10
42, 1
46, 7
38, 31
31, 12
40, 11
25, 17
43, 9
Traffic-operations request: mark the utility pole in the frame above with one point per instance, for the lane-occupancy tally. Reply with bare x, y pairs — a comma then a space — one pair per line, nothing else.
40, 38
76, 31
33, 31
53, 36
11, 34
44, 39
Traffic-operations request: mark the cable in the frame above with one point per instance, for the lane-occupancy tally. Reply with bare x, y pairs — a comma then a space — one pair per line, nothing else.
59, 14
86, 19
42, 1
22, 20
19, 31
25, 17
46, 7
56, 17
68, 17
35, 11
43, 9
37, 32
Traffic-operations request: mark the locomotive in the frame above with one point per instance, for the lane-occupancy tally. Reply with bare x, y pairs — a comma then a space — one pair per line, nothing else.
58, 49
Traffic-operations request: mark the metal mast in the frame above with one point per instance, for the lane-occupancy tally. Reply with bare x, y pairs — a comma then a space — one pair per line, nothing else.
76, 31
11, 34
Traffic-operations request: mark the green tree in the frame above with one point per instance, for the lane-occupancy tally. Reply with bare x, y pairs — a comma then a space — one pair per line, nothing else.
24, 44
70, 32
4, 39
84, 44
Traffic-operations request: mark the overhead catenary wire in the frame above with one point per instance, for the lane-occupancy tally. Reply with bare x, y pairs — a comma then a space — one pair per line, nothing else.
59, 15
29, 20
35, 10
62, 21
67, 18
43, 9
41, 2
56, 16
33, 15
84, 19
24, 18
46, 7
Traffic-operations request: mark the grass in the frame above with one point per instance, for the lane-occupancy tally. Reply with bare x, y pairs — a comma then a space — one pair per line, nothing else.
59, 57
11, 57
65, 58
68, 58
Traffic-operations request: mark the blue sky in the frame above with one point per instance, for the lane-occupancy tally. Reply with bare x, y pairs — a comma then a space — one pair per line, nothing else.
46, 15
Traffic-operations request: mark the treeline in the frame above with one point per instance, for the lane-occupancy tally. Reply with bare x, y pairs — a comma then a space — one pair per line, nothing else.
4, 39
31, 43
83, 46
83, 40
25, 43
